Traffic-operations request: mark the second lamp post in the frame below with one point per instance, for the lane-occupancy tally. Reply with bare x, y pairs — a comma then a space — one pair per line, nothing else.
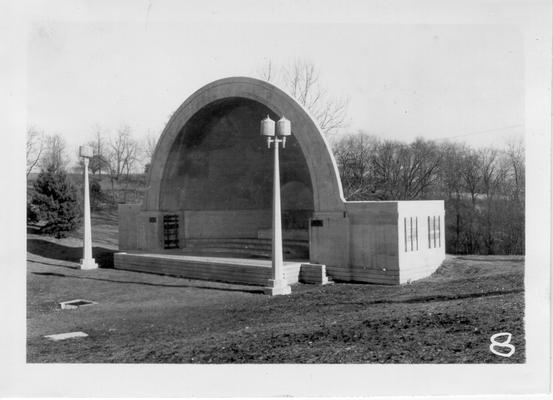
278, 284
87, 262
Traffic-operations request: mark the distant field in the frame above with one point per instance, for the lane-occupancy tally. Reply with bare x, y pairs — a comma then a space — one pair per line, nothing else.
446, 318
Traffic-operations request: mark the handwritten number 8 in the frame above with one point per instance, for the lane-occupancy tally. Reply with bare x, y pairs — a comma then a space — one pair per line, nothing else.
505, 343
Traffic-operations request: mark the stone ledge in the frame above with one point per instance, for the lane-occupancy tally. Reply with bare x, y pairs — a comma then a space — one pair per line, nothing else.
313, 273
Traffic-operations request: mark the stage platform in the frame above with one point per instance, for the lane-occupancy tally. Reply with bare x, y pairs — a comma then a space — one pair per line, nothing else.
221, 268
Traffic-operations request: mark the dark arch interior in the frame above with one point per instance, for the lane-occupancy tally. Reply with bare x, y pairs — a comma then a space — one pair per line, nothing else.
220, 167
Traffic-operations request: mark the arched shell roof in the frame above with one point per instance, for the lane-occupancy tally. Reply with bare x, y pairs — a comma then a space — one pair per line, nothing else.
327, 188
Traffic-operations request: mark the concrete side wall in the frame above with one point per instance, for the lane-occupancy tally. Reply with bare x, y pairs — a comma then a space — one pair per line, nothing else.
225, 224
150, 230
140, 230
373, 242
128, 214
143, 230
367, 242
420, 255
357, 244
329, 241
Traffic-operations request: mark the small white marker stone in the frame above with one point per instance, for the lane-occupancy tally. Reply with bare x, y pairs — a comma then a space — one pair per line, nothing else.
68, 335
74, 304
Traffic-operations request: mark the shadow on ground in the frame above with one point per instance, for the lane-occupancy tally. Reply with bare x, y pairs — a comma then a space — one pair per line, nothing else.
196, 285
47, 249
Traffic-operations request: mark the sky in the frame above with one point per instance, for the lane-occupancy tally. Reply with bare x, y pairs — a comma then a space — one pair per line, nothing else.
462, 82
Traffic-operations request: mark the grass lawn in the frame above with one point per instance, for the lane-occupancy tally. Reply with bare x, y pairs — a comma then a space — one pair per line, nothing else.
142, 318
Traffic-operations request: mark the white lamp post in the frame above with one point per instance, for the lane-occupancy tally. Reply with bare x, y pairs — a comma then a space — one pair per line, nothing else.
87, 262
278, 284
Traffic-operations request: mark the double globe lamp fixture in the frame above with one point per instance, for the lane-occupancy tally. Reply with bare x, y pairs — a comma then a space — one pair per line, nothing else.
283, 130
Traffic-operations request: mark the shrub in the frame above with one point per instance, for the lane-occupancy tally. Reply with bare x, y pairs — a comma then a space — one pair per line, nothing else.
32, 212
98, 198
54, 202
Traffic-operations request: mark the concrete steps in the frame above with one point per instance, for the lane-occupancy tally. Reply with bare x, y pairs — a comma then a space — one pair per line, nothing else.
226, 251
254, 247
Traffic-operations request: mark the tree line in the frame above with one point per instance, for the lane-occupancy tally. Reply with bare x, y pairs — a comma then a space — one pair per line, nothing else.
117, 155
483, 189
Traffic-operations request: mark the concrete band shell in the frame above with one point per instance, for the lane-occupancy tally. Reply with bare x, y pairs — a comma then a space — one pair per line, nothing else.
384, 242
327, 188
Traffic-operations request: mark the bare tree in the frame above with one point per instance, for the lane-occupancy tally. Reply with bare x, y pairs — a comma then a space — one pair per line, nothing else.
452, 155
100, 153
471, 174
373, 169
99, 161
516, 160
493, 178
354, 155
150, 144
302, 80
123, 153
450, 185
35, 147
404, 172
513, 217
149, 147
425, 162
54, 153
266, 72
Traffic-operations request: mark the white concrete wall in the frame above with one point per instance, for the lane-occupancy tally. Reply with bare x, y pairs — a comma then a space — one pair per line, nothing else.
363, 243
359, 243
128, 214
329, 243
140, 230
373, 237
225, 224
421, 262
373, 241
366, 243
150, 230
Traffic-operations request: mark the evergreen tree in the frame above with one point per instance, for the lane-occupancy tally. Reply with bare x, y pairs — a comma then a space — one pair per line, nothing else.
55, 202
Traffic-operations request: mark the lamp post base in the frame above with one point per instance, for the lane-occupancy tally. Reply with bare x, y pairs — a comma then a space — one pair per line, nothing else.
88, 263
277, 287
